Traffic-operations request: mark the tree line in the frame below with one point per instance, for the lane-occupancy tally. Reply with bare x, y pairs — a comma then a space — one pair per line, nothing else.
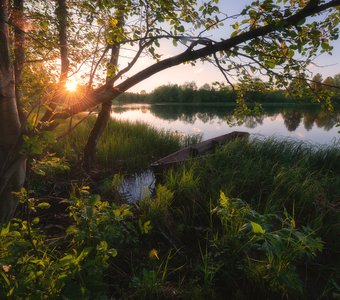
255, 90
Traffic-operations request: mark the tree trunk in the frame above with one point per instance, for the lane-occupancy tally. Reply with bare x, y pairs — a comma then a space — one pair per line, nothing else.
94, 136
101, 121
12, 164
62, 15
19, 53
61, 12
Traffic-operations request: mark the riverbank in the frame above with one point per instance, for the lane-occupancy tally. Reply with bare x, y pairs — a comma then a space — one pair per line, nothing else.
308, 123
255, 220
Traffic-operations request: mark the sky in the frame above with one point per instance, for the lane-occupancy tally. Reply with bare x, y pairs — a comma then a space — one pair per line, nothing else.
327, 65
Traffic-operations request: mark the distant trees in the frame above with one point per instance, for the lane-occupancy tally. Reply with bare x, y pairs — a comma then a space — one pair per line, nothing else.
254, 90
316, 83
188, 93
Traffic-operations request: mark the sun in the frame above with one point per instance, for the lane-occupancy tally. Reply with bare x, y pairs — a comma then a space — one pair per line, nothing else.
71, 85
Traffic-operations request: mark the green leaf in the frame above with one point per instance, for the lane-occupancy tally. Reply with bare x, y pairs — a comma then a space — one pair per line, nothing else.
35, 220
257, 228
4, 276
224, 200
301, 22
180, 28
83, 254
113, 252
95, 199
4, 230
44, 205
271, 64
291, 53
325, 44
235, 33
66, 260
235, 26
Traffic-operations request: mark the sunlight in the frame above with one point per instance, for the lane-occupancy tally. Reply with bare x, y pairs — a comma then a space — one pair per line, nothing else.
71, 85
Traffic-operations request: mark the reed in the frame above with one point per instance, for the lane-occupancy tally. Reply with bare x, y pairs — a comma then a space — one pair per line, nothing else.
130, 146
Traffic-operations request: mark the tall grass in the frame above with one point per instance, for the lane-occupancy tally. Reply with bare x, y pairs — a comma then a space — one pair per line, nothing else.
273, 175
281, 177
126, 145
194, 239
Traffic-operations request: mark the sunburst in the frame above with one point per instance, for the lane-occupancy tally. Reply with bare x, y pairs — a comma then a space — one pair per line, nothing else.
71, 85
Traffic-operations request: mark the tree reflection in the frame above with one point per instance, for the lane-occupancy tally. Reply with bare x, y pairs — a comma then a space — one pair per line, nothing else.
190, 114
308, 120
327, 120
292, 120
253, 121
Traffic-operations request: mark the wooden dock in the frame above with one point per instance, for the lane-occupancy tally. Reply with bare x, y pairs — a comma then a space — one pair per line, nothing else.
196, 150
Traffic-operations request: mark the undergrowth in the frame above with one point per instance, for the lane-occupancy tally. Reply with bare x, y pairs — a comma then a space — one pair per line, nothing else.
122, 146
255, 220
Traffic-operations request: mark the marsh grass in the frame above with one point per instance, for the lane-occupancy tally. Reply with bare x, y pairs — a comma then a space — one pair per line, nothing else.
275, 175
281, 177
255, 220
123, 145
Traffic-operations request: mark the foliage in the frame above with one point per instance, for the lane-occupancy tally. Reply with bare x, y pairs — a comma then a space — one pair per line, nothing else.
125, 145
72, 267
249, 89
106, 251
144, 27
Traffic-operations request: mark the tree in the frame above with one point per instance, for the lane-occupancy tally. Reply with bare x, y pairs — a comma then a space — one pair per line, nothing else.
189, 85
205, 87
12, 164
316, 83
269, 37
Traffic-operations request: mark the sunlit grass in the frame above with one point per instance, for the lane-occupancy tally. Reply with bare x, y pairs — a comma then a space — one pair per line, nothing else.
123, 144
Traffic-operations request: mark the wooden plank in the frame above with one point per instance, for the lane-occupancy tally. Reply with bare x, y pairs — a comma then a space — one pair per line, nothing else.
198, 149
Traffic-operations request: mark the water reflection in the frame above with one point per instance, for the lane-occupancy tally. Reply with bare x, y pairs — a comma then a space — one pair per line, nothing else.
292, 120
303, 122
138, 186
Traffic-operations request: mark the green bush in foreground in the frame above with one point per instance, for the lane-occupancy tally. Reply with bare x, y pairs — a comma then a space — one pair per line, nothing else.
194, 239
110, 251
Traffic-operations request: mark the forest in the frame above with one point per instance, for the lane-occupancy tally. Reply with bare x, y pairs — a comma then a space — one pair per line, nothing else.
257, 91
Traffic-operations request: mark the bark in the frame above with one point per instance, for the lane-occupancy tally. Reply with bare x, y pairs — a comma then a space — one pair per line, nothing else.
19, 52
12, 164
61, 14
95, 134
101, 122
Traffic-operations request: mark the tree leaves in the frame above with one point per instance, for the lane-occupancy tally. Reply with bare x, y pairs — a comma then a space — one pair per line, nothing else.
257, 228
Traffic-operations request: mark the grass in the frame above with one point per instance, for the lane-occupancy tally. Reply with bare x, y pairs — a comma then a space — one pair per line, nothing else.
254, 220
281, 177
123, 145
273, 175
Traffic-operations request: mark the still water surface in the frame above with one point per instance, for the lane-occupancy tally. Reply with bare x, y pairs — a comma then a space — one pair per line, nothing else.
304, 123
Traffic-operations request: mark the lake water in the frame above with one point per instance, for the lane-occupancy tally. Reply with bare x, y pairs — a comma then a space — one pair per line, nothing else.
303, 123
307, 123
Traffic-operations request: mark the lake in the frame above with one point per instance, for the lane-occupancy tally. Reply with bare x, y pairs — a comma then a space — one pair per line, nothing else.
306, 123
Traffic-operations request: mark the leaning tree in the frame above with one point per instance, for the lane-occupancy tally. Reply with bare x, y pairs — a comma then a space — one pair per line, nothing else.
43, 43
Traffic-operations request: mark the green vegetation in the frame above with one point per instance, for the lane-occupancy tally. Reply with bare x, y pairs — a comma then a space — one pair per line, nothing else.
251, 90
128, 146
269, 235
255, 220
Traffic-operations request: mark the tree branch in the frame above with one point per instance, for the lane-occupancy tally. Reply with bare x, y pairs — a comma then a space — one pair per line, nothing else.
102, 94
